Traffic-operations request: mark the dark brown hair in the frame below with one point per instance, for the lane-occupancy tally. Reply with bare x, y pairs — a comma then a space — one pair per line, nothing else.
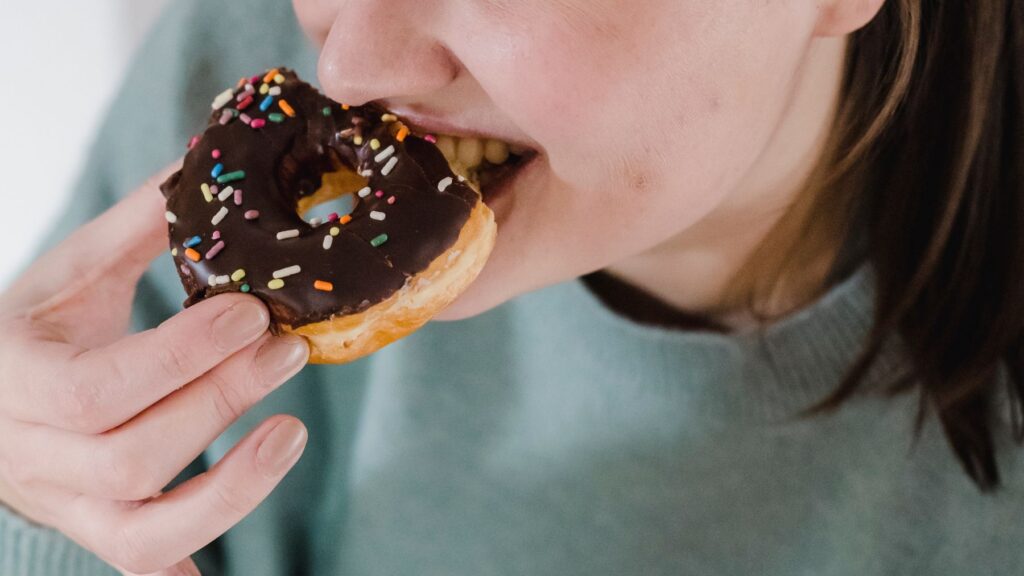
927, 150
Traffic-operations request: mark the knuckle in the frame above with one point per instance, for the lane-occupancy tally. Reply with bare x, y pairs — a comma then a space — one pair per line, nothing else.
227, 404
174, 362
126, 476
78, 407
231, 501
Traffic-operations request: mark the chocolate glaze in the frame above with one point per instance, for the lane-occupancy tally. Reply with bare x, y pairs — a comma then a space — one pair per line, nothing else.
284, 161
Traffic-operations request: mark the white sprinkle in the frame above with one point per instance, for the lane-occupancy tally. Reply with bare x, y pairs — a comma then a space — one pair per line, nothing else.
376, 215
444, 184
328, 242
275, 91
384, 154
462, 178
219, 215
315, 222
225, 194
212, 280
365, 192
222, 98
171, 217
223, 280
367, 173
286, 272
286, 234
389, 166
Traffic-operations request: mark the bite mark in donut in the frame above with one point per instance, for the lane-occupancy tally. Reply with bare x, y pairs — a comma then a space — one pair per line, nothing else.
274, 149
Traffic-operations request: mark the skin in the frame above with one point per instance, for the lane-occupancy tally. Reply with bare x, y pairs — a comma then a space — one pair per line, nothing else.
705, 114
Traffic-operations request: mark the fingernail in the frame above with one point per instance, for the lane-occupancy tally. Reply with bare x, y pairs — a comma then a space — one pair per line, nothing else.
281, 357
280, 447
240, 324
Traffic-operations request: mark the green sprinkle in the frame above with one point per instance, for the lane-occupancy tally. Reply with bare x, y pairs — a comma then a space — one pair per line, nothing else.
276, 117
235, 113
379, 240
327, 110
245, 288
230, 176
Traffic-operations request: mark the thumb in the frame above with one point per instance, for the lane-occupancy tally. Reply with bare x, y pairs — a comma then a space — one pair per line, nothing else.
116, 246
184, 568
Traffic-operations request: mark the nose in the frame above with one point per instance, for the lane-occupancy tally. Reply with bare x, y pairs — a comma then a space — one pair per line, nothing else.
381, 49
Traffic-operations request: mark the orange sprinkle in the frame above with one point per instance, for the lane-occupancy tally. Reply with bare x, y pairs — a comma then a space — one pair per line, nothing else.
270, 76
344, 106
241, 82
286, 107
192, 255
402, 133
345, 219
324, 286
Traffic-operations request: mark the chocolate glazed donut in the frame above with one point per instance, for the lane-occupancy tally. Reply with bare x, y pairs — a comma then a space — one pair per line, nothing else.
350, 283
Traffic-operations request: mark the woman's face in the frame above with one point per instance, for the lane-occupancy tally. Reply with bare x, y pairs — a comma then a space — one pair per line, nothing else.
645, 115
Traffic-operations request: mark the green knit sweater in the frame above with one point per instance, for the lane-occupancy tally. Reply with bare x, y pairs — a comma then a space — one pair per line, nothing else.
551, 436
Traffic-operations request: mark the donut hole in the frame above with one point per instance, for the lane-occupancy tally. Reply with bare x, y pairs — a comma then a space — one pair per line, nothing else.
336, 194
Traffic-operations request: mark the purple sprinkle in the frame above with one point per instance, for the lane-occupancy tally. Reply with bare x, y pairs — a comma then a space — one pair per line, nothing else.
252, 214
216, 235
212, 253
238, 197
333, 217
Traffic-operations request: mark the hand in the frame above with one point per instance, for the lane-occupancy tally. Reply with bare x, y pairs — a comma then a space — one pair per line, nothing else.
95, 423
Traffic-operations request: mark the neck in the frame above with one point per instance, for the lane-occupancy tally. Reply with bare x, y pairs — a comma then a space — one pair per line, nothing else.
712, 268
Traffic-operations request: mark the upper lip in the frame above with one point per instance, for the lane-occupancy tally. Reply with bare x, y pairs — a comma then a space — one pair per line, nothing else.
421, 123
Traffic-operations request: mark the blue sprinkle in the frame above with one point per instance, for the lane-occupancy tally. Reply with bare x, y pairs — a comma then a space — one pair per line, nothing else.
193, 241
266, 103
217, 170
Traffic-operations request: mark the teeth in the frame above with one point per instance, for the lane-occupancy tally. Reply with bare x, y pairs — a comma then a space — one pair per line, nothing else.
470, 152
496, 151
447, 146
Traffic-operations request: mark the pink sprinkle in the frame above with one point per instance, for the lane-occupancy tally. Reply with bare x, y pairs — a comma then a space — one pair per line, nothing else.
215, 153
215, 235
391, 200
244, 118
254, 79
238, 197
192, 143
258, 123
252, 214
430, 138
332, 217
214, 190
225, 117
379, 193
212, 253
186, 270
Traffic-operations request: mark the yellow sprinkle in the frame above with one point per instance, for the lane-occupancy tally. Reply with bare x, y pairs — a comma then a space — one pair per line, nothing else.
264, 88
279, 79
335, 231
174, 251
270, 75
275, 284
388, 118
357, 140
375, 144
238, 275
206, 192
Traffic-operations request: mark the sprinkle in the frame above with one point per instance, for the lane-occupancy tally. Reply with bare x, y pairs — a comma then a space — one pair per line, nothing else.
335, 230
332, 217
238, 197
193, 241
264, 88
215, 153
245, 118
213, 190
222, 98
323, 285
215, 235
384, 154
345, 106
389, 166
375, 144
379, 193
237, 275
212, 252
402, 133
225, 194
222, 280
430, 138
192, 255
315, 222
245, 288
251, 214
365, 192
265, 105
231, 177
444, 184
207, 194
245, 103
171, 217
258, 123
212, 280
366, 173
174, 251
225, 117
219, 215
185, 270
279, 79
275, 91
276, 117
286, 272
328, 241
391, 199
286, 107
286, 234
377, 215
270, 75
345, 219
462, 178
388, 118
216, 170
379, 240
326, 111
357, 140
275, 284
192, 143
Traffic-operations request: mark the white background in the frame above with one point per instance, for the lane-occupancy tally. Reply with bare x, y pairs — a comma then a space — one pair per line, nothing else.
72, 54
